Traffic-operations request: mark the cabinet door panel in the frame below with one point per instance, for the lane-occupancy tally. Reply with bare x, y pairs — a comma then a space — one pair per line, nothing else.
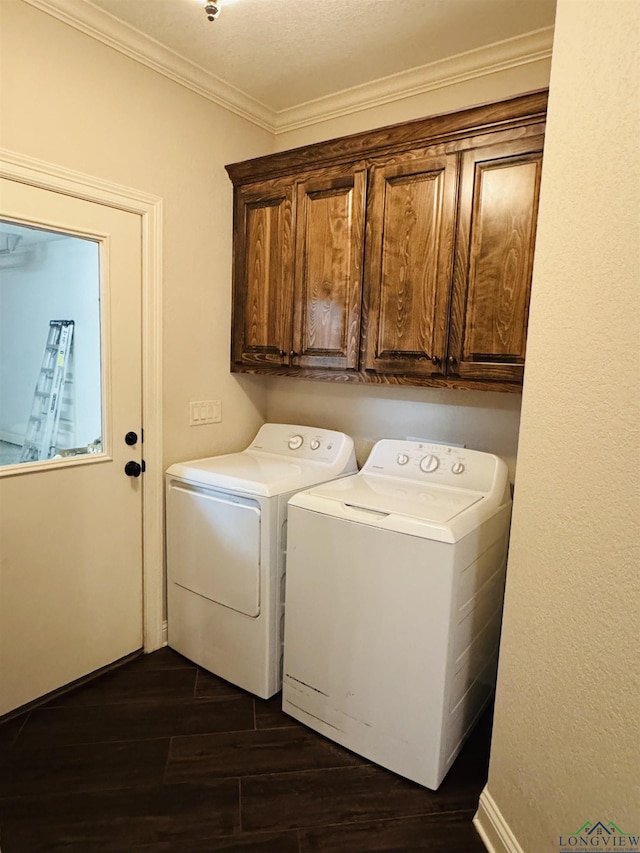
494, 260
264, 266
409, 251
328, 280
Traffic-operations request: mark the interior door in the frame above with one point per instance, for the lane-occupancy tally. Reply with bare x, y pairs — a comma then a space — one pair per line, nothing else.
71, 525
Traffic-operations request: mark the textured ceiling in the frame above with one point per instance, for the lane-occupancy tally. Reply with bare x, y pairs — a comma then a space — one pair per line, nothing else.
283, 53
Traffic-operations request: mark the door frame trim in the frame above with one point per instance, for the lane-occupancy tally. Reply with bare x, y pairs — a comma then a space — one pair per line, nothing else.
48, 176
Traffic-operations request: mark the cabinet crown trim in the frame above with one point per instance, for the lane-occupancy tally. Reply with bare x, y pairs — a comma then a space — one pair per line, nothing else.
528, 108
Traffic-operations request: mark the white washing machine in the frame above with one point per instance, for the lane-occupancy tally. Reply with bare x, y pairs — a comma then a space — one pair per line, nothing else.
226, 535
395, 580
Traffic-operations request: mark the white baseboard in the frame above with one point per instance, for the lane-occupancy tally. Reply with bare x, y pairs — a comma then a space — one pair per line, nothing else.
165, 638
492, 828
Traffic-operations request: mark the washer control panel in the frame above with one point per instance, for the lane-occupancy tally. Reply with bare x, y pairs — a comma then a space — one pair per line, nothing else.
442, 464
304, 443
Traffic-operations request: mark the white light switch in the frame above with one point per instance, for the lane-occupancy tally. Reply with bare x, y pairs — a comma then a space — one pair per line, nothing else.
205, 412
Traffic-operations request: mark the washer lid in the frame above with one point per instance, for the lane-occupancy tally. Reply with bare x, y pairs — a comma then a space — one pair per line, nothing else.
252, 472
391, 496
438, 513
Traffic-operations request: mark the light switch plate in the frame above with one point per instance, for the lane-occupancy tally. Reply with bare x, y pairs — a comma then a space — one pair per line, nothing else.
205, 412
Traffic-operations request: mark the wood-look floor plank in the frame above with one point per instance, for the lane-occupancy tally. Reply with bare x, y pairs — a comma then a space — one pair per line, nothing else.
269, 714
441, 833
209, 685
84, 778
263, 842
253, 752
165, 658
132, 685
9, 731
341, 795
116, 821
84, 767
96, 724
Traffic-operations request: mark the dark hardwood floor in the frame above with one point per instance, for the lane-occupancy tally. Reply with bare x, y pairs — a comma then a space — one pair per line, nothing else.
161, 756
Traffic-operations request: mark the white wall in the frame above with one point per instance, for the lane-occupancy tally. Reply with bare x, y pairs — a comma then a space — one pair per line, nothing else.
59, 281
567, 720
478, 419
482, 420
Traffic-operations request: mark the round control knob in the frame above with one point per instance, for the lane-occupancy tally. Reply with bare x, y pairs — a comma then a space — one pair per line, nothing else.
402, 459
296, 442
315, 444
429, 463
457, 467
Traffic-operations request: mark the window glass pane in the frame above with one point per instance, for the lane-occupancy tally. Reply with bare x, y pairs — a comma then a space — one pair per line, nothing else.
50, 382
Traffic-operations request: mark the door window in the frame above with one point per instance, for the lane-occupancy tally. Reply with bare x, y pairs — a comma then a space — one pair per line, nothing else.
50, 376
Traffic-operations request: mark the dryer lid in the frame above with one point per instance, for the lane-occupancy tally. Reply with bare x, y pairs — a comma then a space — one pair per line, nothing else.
251, 472
282, 458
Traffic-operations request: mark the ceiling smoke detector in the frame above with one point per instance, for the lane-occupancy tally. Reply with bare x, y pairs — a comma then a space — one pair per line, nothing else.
212, 10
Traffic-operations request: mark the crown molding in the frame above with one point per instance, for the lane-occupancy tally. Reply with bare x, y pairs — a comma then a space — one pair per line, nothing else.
98, 24
94, 22
500, 56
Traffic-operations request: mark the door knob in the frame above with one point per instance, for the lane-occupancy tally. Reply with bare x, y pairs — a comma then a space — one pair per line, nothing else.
133, 469
131, 438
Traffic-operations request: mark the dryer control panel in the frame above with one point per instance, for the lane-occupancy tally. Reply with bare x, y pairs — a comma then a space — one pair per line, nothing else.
440, 464
300, 442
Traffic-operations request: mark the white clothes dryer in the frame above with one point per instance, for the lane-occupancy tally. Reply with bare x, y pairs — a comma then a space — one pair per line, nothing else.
226, 538
395, 585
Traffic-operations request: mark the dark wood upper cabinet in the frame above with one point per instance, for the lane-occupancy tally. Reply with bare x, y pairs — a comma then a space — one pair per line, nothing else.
410, 233
401, 255
328, 268
494, 258
263, 274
